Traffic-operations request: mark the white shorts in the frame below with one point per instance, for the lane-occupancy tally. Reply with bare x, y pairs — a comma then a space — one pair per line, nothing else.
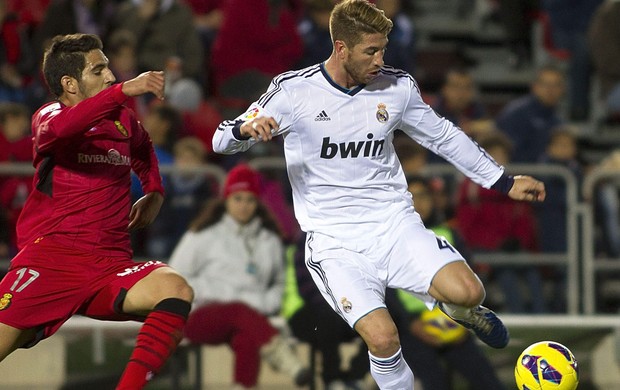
353, 276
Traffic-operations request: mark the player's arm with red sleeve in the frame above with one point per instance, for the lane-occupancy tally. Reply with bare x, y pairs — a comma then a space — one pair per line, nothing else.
144, 161
56, 126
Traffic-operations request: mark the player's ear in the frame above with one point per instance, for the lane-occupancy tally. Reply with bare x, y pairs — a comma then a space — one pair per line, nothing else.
340, 48
69, 84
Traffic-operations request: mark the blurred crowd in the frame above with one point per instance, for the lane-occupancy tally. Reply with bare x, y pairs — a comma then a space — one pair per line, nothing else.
220, 55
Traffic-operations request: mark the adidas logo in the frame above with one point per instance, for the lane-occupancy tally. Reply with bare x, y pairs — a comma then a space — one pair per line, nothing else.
322, 117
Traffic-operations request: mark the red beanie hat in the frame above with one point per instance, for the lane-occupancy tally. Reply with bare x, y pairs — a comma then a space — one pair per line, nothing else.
242, 178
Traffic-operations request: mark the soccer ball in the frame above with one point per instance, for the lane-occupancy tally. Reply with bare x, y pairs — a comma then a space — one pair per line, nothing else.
547, 365
441, 326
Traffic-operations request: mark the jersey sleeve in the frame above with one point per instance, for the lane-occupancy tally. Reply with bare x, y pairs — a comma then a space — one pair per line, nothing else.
52, 125
273, 103
439, 135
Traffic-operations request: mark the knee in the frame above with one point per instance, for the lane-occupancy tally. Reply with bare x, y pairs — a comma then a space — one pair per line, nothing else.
177, 287
384, 343
185, 292
458, 284
472, 293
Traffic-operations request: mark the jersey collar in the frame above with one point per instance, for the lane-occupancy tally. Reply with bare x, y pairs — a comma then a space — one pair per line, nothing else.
347, 91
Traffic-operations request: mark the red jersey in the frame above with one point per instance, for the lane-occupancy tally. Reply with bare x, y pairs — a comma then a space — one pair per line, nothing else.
83, 157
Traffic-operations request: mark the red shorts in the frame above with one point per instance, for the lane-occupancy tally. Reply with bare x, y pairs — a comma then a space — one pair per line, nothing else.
48, 283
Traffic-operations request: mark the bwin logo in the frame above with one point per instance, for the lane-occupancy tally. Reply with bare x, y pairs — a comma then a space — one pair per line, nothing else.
370, 148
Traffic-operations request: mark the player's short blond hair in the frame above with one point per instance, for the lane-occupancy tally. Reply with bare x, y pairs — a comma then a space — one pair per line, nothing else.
350, 19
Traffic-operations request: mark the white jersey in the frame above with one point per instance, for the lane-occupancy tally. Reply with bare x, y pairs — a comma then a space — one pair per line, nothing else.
346, 178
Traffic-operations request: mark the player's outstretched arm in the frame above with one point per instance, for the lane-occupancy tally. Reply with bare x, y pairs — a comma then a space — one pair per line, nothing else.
147, 82
527, 188
261, 129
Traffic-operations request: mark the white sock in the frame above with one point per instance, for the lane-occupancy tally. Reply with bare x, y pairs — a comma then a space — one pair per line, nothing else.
391, 373
455, 311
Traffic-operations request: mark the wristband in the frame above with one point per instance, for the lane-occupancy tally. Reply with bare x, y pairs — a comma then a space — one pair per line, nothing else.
504, 184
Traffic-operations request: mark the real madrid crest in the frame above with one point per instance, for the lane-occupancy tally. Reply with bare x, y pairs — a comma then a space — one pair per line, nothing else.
347, 306
382, 114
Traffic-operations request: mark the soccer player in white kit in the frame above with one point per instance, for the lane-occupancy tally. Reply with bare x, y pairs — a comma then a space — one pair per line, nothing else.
350, 194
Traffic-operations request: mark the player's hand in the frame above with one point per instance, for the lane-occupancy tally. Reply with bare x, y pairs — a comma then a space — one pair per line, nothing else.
144, 211
261, 129
527, 188
147, 82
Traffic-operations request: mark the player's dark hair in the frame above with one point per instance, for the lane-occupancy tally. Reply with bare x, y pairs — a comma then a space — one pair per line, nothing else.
351, 19
66, 56
214, 210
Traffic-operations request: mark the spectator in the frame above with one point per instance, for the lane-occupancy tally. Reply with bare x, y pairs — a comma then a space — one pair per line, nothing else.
491, 222
608, 207
553, 214
528, 120
314, 32
268, 40
233, 257
459, 102
182, 92
516, 17
164, 30
30, 13
16, 59
604, 41
312, 320
15, 146
75, 16
208, 16
122, 53
162, 123
569, 22
15, 139
415, 160
413, 156
122, 46
401, 48
186, 192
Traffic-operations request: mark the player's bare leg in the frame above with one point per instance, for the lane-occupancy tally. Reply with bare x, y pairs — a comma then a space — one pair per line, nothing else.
457, 284
387, 365
12, 338
166, 297
460, 294
160, 284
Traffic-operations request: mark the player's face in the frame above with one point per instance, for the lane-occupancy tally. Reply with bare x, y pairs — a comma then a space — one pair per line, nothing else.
364, 60
241, 205
96, 75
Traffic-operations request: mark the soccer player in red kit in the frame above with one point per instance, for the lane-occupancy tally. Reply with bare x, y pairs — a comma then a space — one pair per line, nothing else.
73, 233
